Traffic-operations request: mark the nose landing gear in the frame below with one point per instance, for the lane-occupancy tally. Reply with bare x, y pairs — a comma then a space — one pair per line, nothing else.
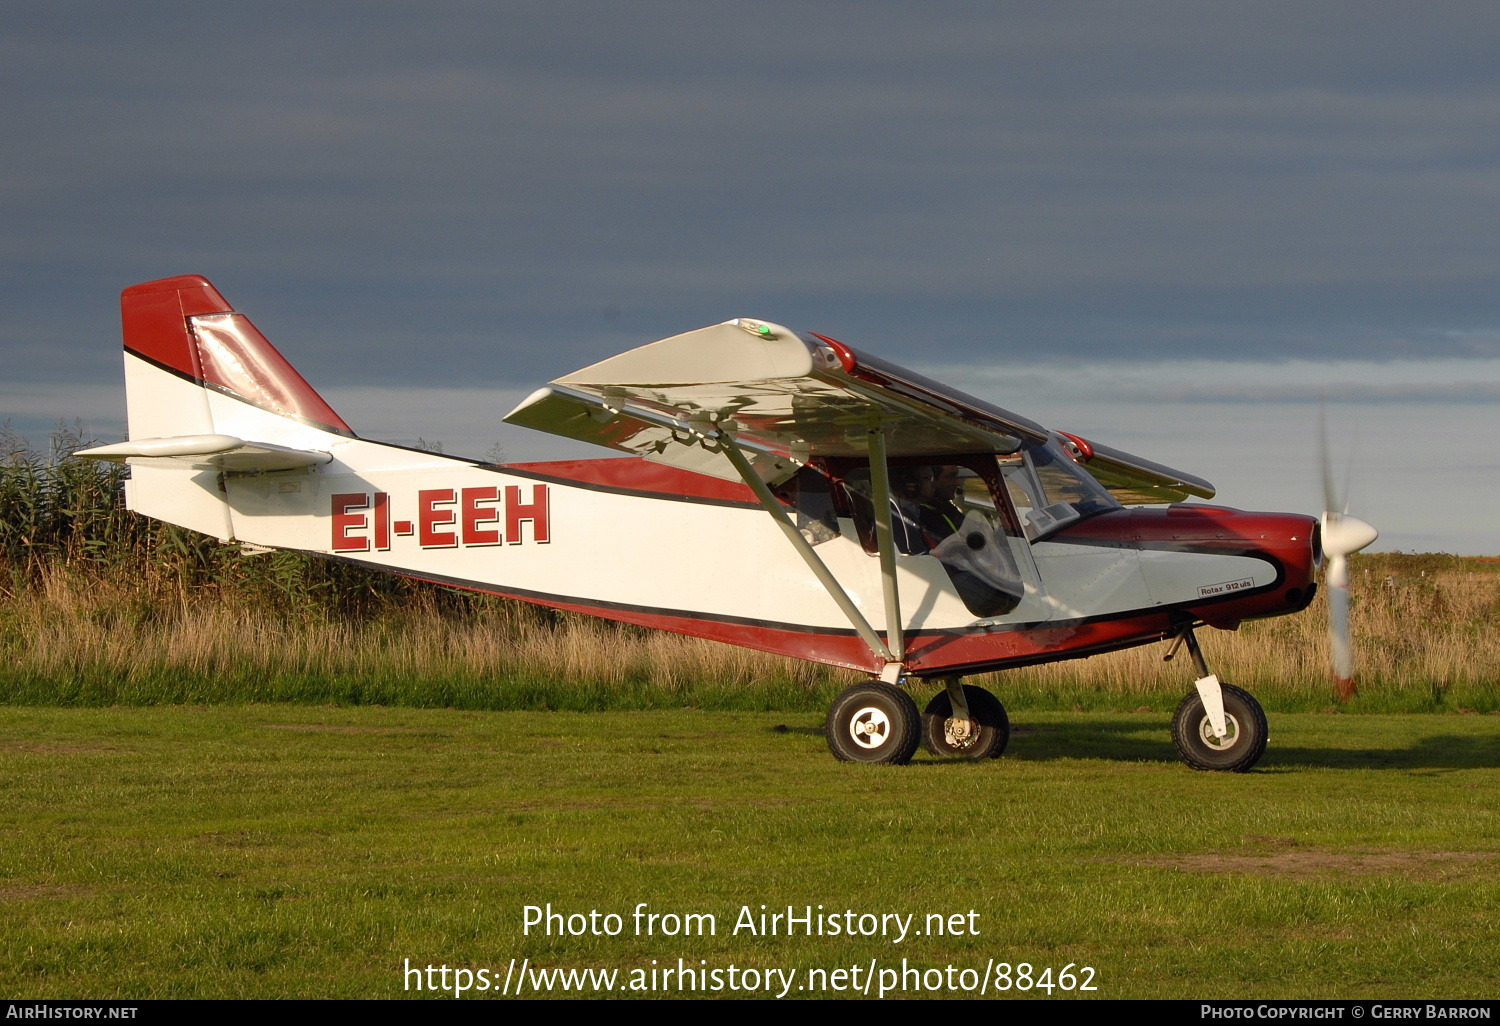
1218, 726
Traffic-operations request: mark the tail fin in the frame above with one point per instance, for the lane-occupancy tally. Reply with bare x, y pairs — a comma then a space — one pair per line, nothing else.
179, 332
207, 396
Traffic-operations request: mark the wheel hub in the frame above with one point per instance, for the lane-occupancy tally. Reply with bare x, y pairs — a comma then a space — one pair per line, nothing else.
1220, 744
870, 727
959, 733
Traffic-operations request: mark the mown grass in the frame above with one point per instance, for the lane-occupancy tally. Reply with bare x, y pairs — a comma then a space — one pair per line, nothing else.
291, 851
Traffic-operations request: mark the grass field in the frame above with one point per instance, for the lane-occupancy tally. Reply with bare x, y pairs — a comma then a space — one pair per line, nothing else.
277, 851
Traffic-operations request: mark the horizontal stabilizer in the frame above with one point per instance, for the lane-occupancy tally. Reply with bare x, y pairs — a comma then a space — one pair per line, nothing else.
209, 452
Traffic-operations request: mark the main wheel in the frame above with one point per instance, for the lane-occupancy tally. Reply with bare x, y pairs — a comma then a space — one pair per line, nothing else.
1238, 750
874, 722
983, 736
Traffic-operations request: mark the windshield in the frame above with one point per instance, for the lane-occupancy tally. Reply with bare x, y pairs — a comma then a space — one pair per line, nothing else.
1050, 491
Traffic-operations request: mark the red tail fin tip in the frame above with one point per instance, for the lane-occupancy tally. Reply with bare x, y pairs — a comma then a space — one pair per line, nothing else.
184, 326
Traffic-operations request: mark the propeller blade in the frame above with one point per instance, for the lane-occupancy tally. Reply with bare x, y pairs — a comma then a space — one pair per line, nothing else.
1338, 628
1348, 474
1342, 537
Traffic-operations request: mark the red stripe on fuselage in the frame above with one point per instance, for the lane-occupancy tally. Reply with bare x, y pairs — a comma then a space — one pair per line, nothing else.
932, 654
928, 653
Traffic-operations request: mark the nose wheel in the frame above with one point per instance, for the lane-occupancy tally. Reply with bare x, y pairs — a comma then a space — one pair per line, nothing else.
1244, 740
1218, 726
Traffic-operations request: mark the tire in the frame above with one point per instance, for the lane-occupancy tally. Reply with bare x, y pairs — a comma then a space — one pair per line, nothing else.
874, 722
1243, 747
940, 731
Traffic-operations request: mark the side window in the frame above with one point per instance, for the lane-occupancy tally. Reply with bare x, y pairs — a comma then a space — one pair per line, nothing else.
1025, 491
906, 490
810, 494
947, 510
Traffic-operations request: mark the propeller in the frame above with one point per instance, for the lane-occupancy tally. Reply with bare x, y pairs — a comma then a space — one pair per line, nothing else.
1343, 536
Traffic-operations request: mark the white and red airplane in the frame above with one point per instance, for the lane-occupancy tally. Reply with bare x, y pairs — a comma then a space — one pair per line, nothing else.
786, 493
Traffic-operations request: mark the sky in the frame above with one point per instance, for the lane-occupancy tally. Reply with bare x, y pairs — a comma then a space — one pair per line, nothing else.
1178, 228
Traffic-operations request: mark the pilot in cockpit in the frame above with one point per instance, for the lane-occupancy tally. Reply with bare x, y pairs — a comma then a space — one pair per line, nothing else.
937, 514
908, 484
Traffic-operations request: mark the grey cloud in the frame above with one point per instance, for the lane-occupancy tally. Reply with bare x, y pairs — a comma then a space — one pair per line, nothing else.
481, 181
1364, 394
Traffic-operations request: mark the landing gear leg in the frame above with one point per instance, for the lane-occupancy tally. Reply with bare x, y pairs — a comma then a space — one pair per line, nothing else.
1218, 726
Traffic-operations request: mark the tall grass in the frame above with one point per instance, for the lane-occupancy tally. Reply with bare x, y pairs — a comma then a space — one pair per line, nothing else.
1424, 633
89, 642
99, 606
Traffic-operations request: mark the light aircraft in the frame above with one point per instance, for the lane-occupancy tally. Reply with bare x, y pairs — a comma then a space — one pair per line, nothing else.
786, 492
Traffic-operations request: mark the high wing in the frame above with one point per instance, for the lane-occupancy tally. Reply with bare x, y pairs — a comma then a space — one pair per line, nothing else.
787, 397
1132, 480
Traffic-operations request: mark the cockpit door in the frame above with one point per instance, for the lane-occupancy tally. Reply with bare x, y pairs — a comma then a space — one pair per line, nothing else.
962, 557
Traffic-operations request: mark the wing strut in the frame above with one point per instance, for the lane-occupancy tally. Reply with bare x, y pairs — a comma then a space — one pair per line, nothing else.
730, 447
885, 540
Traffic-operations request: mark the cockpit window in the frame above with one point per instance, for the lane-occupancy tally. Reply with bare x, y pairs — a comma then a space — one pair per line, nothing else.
1049, 490
947, 510
810, 495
